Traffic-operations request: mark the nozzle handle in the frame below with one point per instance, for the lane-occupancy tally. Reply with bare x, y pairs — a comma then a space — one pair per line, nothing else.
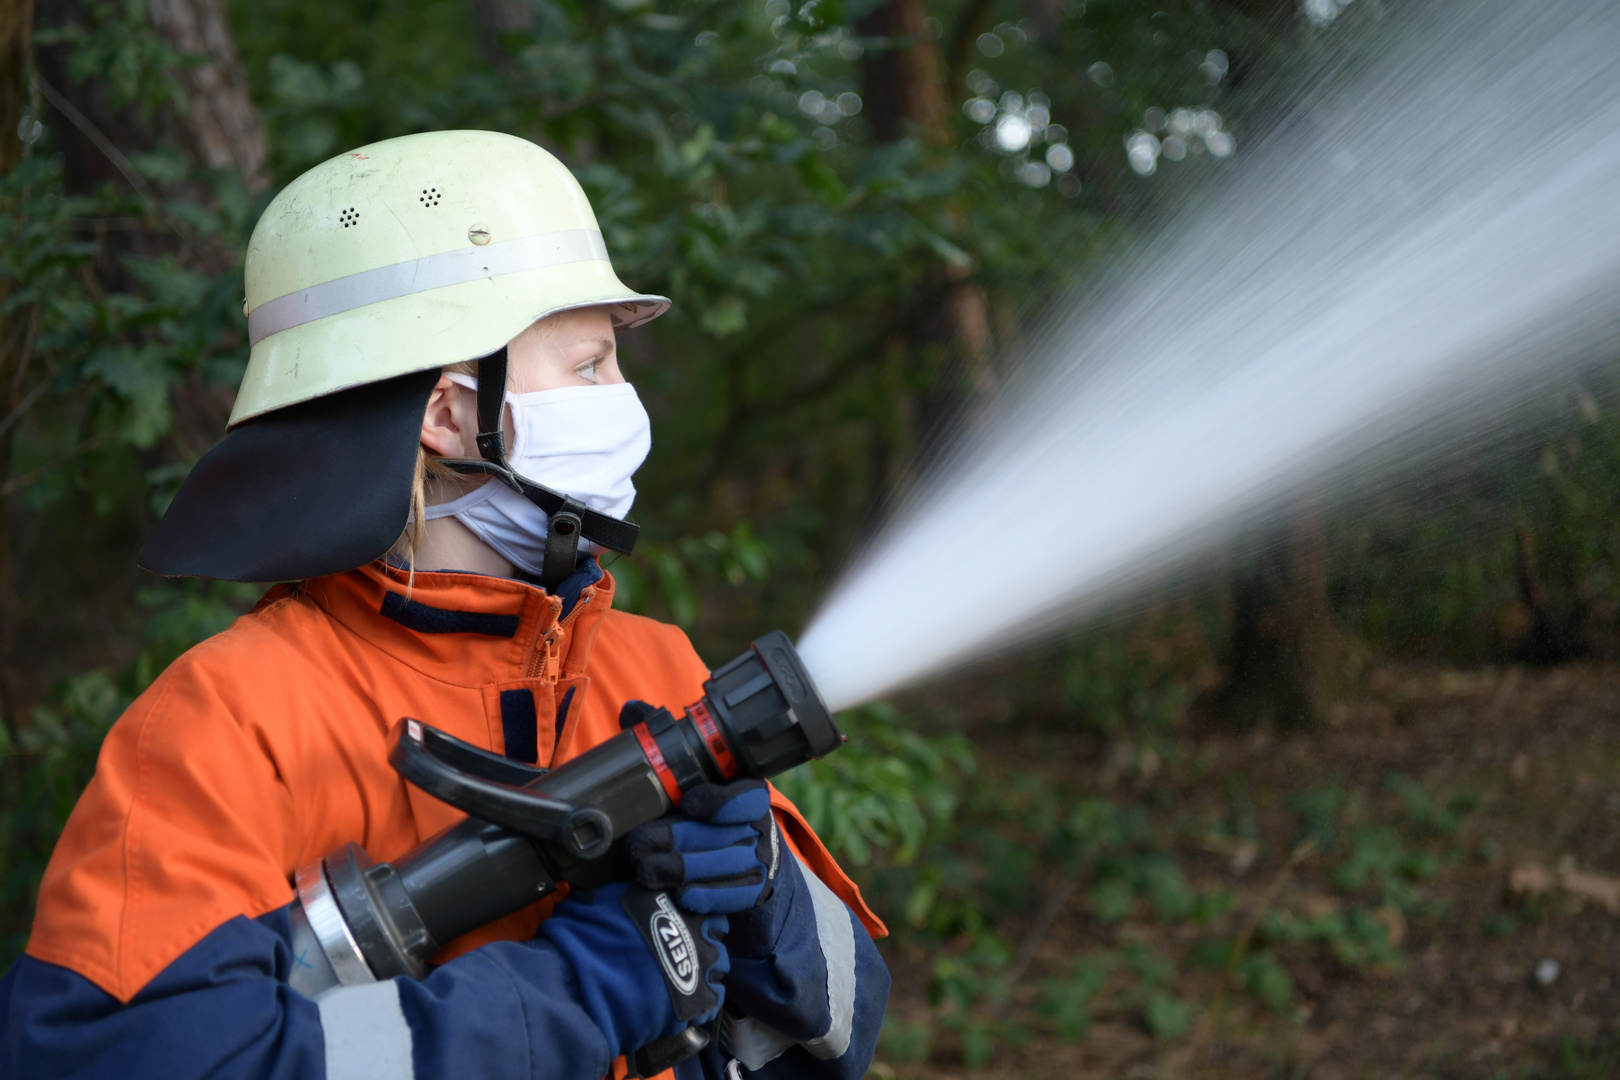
439, 765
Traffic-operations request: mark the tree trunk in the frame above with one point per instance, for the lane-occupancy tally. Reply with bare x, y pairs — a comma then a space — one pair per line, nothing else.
220, 118
16, 27
1557, 632
905, 82
17, 99
497, 18
220, 129
907, 93
1281, 656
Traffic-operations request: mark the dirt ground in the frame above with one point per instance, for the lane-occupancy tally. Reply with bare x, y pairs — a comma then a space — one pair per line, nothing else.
1538, 881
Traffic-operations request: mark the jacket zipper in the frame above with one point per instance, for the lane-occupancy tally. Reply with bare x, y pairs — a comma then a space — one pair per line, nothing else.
548, 658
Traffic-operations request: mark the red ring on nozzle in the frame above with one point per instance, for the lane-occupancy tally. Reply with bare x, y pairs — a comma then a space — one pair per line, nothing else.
710, 731
660, 767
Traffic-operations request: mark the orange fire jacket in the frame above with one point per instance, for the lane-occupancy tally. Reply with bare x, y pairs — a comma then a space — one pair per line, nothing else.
265, 748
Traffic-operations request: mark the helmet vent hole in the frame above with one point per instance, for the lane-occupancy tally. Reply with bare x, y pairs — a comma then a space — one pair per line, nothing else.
351, 216
429, 197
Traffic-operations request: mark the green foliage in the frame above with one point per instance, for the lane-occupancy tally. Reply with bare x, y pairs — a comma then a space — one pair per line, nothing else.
684, 570
1167, 1016
1318, 811
1067, 1002
1357, 938
1573, 1059
1427, 811
886, 789
904, 1042
117, 45
1262, 975
965, 895
1430, 566
1380, 857
1116, 685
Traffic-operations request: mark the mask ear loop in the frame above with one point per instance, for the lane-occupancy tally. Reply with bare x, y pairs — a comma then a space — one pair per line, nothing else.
567, 519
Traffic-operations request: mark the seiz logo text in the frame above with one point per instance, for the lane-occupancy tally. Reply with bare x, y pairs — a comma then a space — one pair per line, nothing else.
676, 950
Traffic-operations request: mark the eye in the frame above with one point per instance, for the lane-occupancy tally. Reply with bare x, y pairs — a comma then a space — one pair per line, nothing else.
587, 370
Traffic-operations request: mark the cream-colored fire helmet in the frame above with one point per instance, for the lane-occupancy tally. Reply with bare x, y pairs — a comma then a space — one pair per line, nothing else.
365, 277
414, 253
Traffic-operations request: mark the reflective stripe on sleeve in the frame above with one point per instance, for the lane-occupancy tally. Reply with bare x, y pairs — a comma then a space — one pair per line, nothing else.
837, 938
753, 1042
750, 1041
367, 1037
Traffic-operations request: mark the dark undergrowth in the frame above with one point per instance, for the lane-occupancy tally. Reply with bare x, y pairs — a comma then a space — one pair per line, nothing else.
1344, 903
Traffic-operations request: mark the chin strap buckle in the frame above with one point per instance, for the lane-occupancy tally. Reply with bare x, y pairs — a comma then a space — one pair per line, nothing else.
562, 543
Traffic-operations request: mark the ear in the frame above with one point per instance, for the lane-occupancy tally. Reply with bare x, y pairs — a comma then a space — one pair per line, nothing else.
450, 423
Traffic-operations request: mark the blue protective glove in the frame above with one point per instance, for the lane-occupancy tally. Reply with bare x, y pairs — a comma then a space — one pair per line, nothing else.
646, 970
720, 853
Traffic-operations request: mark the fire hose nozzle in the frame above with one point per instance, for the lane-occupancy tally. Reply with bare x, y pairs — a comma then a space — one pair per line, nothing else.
529, 828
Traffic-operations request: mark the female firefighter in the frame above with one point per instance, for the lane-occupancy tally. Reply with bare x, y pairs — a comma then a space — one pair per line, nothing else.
385, 289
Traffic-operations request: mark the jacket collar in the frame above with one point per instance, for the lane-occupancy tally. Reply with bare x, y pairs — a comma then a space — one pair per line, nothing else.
469, 629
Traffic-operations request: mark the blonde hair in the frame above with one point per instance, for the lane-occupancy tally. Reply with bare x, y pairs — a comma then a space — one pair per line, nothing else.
428, 467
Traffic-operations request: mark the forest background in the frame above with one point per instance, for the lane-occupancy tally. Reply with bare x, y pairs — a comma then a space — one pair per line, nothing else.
1355, 774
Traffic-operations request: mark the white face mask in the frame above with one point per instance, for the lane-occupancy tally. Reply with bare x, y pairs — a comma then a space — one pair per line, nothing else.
584, 441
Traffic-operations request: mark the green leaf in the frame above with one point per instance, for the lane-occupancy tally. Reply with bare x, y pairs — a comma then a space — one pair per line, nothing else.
1112, 899
820, 180
978, 1044
1167, 889
1270, 983
1166, 1016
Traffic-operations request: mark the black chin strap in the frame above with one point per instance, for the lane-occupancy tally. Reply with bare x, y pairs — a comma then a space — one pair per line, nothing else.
567, 519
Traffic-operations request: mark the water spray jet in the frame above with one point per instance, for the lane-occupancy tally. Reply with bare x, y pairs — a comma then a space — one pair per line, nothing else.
1392, 268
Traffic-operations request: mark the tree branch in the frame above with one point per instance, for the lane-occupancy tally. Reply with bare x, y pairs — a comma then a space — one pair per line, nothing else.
113, 154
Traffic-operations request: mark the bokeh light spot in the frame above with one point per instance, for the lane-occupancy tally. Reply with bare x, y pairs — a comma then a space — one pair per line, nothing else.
980, 110
1012, 132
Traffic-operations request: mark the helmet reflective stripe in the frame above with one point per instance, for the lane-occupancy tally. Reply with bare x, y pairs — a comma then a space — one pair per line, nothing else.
421, 275
415, 253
